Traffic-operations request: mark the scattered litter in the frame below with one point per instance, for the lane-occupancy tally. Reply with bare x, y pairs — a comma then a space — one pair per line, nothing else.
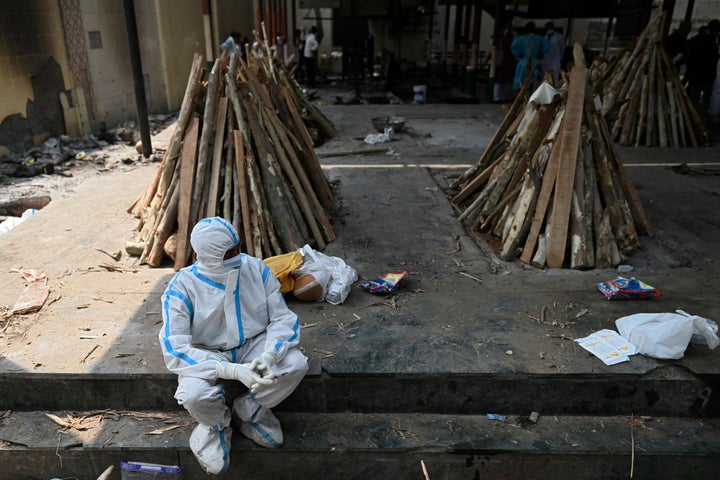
161, 430
143, 471
123, 355
12, 222
31, 275
470, 276
31, 300
80, 156
496, 417
622, 288
625, 268
508, 352
116, 255
534, 416
334, 274
386, 283
325, 353
375, 138
667, 335
608, 346
89, 353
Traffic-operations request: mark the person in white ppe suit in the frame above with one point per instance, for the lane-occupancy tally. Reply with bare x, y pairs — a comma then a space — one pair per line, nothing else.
224, 318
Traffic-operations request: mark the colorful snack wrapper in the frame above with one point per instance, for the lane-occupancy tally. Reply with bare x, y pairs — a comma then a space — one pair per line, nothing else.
622, 288
386, 283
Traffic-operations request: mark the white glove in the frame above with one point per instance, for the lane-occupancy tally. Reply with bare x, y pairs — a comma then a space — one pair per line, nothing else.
242, 372
263, 365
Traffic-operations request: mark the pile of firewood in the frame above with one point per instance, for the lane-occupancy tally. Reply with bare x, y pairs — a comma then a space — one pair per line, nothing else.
242, 149
644, 101
550, 188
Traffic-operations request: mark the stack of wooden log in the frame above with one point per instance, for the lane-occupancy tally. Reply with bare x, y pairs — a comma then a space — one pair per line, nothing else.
643, 98
241, 149
550, 188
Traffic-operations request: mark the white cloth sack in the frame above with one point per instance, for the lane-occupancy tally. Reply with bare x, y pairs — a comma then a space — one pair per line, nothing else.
338, 276
666, 335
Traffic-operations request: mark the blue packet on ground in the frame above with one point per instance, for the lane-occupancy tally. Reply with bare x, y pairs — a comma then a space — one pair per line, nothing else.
386, 283
622, 288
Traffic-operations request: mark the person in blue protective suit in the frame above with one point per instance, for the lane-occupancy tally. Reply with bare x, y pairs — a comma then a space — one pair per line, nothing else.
224, 318
528, 48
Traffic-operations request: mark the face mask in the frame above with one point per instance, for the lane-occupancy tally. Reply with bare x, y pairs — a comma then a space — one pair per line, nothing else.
234, 262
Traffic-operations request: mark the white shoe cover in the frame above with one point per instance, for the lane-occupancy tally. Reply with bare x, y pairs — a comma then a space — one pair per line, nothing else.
211, 448
259, 424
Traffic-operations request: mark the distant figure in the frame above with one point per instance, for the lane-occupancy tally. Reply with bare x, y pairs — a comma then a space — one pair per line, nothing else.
676, 44
552, 59
300, 49
528, 48
311, 46
701, 61
504, 66
232, 44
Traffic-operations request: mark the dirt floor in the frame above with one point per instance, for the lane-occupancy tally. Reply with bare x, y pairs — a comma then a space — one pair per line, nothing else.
387, 203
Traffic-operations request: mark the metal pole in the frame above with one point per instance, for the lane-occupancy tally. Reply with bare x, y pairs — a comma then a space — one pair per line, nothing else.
136, 64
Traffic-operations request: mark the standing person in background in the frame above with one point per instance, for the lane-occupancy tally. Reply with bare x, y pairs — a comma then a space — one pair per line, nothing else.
553, 57
311, 46
232, 44
300, 52
701, 61
528, 48
504, 66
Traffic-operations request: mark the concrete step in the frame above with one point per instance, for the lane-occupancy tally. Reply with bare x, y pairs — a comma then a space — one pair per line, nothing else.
669, 391
363, 446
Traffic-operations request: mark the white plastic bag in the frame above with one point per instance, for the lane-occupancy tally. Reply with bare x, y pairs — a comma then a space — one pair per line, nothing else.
665, 335
333, 271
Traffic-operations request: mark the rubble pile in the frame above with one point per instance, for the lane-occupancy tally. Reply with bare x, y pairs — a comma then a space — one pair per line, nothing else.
243, 149
644, 101
550, 188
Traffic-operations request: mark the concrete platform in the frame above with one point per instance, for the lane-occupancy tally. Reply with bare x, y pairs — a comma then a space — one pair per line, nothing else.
466, 334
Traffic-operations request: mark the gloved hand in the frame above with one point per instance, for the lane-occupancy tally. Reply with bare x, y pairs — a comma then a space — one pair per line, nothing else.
242, 372
264, 363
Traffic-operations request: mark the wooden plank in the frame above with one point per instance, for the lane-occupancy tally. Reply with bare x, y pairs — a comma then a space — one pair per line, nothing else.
544, 198
188, 159
212, 195
242, 191
566, 172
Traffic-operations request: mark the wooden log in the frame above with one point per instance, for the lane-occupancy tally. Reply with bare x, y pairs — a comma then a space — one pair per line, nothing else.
661, 110
638, 210
242, 191
546, 190
522, 219
206, 138
295, 166
217, 155
590, 183
167, 226
289, 232
517, 106
187, 177
15, 208
684, 102
578, 232
321, 187
300, 194
651, 136
675, 142
642, 120
566, 171
257, 220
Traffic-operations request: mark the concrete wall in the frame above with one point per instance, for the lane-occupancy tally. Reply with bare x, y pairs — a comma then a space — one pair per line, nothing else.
33, 72
180, 28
